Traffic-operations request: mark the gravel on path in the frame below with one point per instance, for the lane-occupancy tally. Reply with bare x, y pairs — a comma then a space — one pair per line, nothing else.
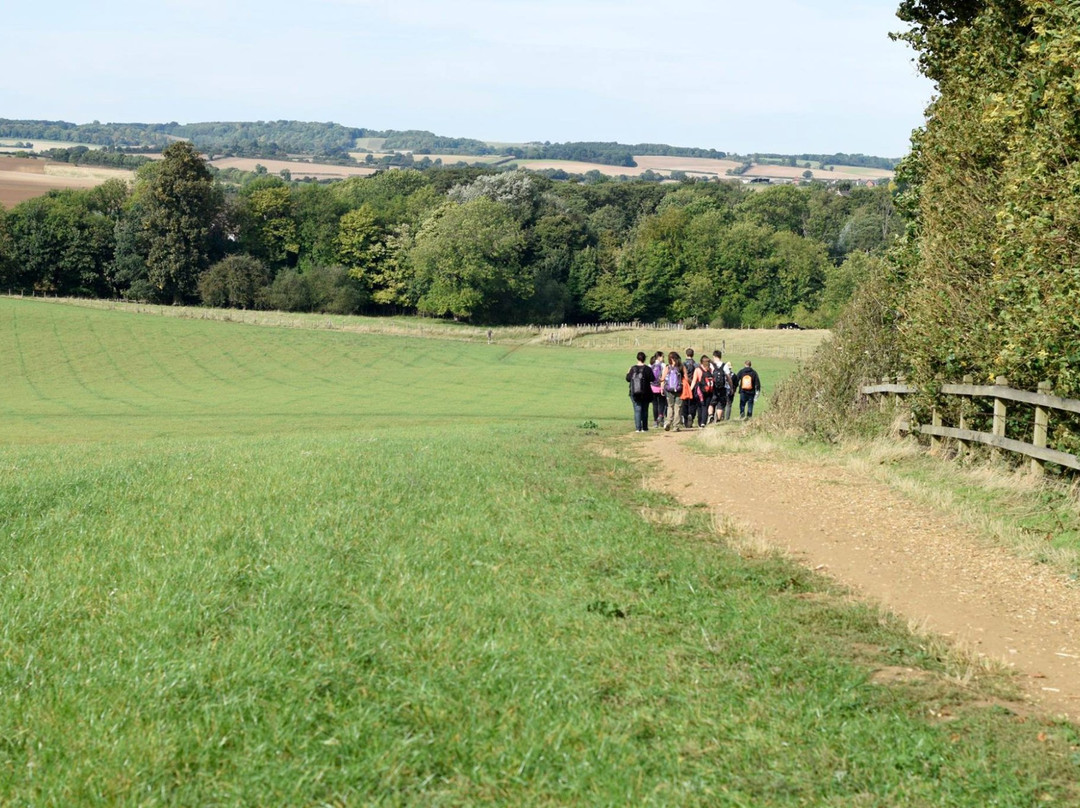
918, 563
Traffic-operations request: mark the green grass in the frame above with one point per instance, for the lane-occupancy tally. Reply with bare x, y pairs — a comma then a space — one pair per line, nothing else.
238, 566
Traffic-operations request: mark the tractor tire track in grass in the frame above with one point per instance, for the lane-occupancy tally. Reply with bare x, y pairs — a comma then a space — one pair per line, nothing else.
916, 562
21, 351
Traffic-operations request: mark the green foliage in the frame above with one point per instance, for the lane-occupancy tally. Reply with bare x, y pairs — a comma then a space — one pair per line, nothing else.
181, 206
823, 398
329, 290
422, 142
269, 223
60, 243
467, 260
233, 282
704, 251
83, 156
7, 264
994, 284
784, 207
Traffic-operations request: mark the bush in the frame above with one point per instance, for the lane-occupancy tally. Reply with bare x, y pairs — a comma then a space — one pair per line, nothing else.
822, 399
234, 282
330, 290
335, 291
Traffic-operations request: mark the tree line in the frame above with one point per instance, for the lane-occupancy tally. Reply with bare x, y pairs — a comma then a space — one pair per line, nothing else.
465, 243
986, 281
279, 139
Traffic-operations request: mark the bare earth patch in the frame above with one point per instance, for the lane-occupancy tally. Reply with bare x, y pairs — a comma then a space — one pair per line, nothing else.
916, 562
22, 179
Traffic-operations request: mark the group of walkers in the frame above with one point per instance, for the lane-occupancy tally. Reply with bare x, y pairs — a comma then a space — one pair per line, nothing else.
685, 393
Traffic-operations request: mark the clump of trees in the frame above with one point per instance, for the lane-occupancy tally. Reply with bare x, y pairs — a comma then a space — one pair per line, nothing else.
474, 244
987, 280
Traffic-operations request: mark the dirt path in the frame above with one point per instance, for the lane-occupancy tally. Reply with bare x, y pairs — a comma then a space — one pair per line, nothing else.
916, 562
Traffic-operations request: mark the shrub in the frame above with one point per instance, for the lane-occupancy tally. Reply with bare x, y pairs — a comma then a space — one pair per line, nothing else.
330, 290
233, 282
822, 399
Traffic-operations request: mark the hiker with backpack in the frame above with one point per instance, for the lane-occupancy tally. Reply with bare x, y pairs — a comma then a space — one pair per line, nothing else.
703, 390
672, 381
659, 399
689, 403
640, 377
721, 388
749, 385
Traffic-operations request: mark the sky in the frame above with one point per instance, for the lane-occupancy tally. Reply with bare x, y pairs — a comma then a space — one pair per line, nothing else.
787, 76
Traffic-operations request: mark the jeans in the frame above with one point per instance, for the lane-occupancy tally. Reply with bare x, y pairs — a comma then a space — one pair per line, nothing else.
746, 403
641, 414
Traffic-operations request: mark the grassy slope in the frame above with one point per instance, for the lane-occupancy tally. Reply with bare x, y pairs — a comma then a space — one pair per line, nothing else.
262, 566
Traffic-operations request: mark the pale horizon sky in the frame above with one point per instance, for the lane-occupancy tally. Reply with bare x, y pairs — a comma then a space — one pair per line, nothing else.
784, 76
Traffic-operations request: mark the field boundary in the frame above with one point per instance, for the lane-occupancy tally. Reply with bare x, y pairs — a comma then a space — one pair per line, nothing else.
1001, 393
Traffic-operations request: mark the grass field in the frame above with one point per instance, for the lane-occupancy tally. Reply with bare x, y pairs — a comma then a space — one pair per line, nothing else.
248, 565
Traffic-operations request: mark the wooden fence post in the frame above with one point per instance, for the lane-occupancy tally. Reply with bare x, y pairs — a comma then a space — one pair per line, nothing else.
902, 381
1000, 411
883, 400
962, 449
935, 415
1042, 422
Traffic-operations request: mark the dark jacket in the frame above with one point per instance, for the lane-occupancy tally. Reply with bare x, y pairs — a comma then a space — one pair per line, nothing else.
648, 378
754, 377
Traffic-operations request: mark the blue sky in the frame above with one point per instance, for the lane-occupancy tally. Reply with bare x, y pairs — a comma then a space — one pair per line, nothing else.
772, 76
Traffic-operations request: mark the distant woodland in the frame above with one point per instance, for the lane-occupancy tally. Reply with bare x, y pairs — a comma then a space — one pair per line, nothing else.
459, 242
281, 139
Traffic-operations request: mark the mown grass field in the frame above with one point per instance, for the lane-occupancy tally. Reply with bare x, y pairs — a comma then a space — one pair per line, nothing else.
248, 565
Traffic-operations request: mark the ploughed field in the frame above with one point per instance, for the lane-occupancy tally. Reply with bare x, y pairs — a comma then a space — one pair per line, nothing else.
22, 178
262, 565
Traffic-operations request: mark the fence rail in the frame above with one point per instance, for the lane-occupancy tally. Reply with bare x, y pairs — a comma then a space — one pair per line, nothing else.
1042, 401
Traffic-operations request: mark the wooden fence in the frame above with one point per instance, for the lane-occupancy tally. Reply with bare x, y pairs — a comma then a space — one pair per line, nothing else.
1001, 394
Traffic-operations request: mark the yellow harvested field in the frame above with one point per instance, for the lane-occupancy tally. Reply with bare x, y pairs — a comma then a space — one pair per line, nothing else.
22, 179
574, 167
299, 170
92, 174
691, 165
839, 173
704, 167
448, 159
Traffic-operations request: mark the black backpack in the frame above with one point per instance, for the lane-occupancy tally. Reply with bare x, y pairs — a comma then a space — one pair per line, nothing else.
638, 385
720, 382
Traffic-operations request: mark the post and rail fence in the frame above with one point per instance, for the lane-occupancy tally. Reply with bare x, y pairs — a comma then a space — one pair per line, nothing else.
1001, 394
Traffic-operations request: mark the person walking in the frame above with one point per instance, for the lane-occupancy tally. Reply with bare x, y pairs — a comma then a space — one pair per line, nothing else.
729, 384
721, 389
689, 404
659, 400
640, 377
749, 385
673, 375
702, 386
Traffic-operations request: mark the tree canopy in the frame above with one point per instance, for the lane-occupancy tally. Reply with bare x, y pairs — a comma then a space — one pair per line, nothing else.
480, 245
